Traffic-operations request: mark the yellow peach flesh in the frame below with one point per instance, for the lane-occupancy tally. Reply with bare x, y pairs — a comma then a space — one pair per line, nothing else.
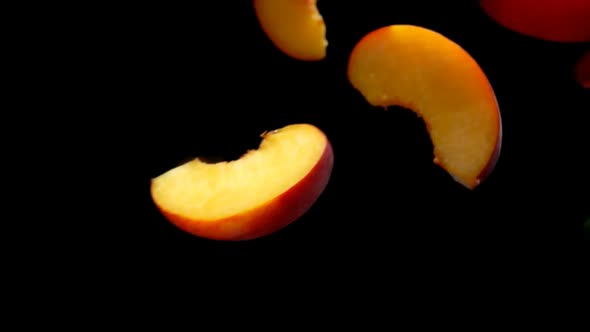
210, 192
294, 26
424, 71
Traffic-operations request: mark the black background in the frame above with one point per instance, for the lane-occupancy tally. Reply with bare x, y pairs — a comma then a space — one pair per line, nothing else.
179, 81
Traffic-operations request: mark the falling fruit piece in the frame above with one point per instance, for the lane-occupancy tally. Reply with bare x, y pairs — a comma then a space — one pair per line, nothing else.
260, 193
583, 70
422, 70
294, 26
552, 20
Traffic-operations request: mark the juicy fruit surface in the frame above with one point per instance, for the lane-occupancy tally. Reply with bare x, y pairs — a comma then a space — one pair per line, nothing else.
215, 191
294, 26
422, 70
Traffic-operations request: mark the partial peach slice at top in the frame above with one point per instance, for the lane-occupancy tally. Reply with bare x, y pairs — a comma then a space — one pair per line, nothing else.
552, 20
294, 26
583, 70
260, 193
422, 70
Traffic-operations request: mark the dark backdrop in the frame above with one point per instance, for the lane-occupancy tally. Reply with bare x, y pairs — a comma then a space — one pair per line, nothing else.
180, 81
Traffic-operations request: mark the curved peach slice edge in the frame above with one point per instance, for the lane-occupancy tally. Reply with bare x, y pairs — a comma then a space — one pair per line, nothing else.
295, 27
260, 193
424, 71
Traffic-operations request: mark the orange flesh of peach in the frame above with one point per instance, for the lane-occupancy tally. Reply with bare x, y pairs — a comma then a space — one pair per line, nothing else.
294, 26
424, 71
209, 192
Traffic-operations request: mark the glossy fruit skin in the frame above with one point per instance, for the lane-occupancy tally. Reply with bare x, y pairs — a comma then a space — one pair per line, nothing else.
551, 20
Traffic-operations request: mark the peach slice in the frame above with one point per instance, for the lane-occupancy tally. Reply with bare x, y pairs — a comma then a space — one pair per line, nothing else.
260, 193
552, 20
583, 70
419, 69
294, 26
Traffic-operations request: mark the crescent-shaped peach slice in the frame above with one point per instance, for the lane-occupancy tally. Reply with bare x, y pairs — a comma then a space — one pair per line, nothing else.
294, 26
260, 193
420, 69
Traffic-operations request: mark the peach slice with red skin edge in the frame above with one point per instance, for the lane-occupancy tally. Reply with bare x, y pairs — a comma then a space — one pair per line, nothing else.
420, 69
583, 70
294, 26
260, 193
551, 20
